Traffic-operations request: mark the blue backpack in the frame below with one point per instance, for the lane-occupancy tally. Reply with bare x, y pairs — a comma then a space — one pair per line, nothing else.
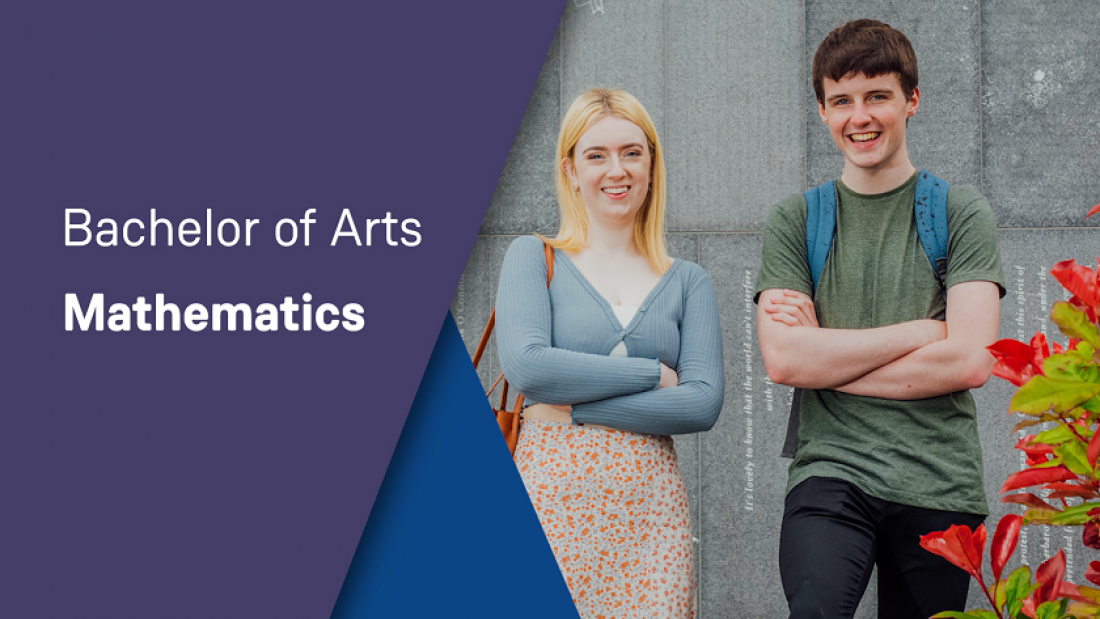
930, 212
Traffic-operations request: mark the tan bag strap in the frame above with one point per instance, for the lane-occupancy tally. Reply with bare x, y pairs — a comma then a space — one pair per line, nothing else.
549, 253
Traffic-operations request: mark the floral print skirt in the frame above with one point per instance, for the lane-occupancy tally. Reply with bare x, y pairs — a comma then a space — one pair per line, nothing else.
614, 509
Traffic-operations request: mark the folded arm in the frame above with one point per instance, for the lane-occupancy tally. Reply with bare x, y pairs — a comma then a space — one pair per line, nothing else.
694, 404
798, 353
535, 368
957, 363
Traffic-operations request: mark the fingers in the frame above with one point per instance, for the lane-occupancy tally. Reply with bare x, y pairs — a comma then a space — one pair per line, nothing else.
786, 319
793, 304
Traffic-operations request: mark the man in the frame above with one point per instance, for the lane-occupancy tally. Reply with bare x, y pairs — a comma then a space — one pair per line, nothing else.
888, 444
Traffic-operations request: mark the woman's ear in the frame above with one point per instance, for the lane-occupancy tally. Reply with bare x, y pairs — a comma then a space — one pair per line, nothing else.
570, 171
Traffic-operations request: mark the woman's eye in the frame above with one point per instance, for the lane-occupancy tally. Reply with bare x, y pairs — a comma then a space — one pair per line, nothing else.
633, 153
594, 156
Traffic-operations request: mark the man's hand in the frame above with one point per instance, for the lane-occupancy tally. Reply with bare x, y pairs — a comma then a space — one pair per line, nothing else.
791, 308
957, 363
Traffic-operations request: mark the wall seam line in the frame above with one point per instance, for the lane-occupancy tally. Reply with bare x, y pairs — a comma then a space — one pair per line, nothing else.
981, 102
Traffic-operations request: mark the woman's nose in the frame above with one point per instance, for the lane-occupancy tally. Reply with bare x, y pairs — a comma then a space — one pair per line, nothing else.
616, 170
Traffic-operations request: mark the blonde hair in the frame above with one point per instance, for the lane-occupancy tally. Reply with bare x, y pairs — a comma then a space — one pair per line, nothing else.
649, 226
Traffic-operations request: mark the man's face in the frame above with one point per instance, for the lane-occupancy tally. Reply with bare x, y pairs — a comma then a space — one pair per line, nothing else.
866, 118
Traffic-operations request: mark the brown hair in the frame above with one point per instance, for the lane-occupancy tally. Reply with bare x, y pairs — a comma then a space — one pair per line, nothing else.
864, 46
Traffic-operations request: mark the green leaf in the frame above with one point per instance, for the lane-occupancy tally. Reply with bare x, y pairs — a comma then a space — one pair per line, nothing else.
1071, 367
1041, 394
1074, 323
954, 614
1055, 436
1076, 414
1078, 514
1073, 457
1054, 461
1039, 516
1017, 587
984, 614
1049, 610
1001, 596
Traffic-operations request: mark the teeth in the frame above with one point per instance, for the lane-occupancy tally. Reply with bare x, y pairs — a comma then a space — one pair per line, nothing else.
864, 137
614, 190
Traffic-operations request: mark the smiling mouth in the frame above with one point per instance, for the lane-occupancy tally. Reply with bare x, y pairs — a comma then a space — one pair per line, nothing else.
616, 191
860, 138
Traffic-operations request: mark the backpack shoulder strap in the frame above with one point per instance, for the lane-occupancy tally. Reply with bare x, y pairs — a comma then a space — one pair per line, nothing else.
930, 212
820, 224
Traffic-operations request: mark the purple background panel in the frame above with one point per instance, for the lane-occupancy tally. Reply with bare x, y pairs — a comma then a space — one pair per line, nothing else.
229, 474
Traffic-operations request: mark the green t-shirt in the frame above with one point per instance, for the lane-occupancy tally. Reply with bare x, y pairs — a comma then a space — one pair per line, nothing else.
918, 452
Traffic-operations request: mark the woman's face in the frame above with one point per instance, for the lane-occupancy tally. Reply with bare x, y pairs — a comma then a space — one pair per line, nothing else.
611, 167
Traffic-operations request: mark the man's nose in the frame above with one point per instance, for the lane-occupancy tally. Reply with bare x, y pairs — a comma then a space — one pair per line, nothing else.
861, 114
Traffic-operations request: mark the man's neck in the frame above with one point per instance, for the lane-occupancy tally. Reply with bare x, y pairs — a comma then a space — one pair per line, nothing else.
878, 180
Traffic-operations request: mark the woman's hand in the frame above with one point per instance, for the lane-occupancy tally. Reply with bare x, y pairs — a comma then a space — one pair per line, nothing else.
793, 309
669, 377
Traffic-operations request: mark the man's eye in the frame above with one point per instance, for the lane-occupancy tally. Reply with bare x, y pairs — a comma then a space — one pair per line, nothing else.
878, 97
840, 102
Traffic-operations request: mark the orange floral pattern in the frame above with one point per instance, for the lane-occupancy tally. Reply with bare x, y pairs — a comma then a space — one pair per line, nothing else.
615, 512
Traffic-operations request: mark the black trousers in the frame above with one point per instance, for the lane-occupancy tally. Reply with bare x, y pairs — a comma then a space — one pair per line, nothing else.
833, 533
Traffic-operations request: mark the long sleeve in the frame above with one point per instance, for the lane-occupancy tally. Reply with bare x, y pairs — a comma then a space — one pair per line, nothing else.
524, 326
693, 405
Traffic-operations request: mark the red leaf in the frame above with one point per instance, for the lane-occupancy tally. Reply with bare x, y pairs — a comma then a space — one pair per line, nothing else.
1028, 499
1049, 576
1062, 491
1056, 348
1033, 477
1079, 280
1039, 351
1069, 590
1094, 449
1004, 543
1092, 574
1071, 494
1094, 210
1015, 372
959, 545
1087, 487
1091, 535
1016, 361
1038, 449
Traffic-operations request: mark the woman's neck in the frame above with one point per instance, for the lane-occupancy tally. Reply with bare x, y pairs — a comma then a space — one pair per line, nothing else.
615, 239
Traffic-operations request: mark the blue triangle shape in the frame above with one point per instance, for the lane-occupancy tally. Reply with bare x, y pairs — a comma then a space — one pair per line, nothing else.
452, 532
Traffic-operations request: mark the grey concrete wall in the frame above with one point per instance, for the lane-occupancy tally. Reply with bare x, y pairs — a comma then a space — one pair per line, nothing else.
1011, 104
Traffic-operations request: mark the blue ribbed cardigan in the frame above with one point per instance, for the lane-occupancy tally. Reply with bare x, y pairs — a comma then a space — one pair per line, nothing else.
554, 344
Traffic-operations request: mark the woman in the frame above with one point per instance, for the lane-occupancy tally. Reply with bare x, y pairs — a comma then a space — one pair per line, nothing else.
621, 350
